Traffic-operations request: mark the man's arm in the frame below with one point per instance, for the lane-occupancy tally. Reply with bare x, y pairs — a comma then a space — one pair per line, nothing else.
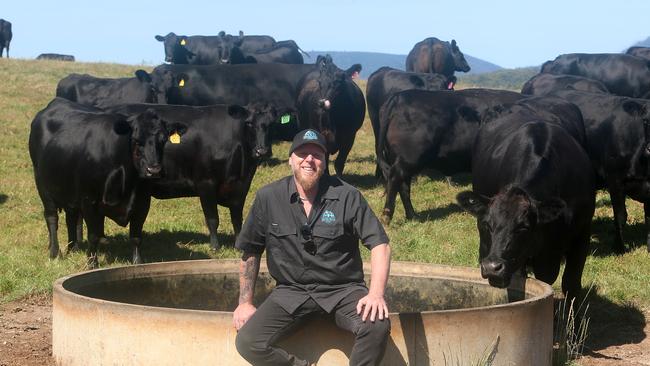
374, 303
249, 268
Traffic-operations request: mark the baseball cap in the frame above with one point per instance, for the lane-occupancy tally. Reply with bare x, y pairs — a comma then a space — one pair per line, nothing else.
308, 136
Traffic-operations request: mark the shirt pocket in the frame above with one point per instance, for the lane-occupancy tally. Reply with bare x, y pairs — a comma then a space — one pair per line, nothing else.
281, 250
330, 240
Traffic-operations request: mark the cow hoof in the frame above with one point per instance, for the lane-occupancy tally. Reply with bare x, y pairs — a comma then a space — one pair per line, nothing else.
73, 247
385, 219
215, 246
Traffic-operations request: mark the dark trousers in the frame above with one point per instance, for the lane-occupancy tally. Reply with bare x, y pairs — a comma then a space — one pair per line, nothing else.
256, 339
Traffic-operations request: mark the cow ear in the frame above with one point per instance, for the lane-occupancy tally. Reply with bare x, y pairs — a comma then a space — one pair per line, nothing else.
237, 111
114, 187
634, 108
353, 69
453, 44
473, 203
222, 34
122, 127
143, 76
160, 38
551, 209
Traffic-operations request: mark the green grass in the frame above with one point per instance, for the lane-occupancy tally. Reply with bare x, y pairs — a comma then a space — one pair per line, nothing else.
175, 229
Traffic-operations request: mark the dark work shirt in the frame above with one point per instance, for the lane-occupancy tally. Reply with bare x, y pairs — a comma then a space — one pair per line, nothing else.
339, 218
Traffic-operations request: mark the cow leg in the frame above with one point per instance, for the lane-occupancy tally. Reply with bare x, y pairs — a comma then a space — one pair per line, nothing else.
575, 263
617, 197
237, 218
52, 221
393, 181
138, 217
72, 217
646, 210
405, 195
94, 222
345, 145
209, 205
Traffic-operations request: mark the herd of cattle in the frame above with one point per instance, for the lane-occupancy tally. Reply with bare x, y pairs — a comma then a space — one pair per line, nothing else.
200, 125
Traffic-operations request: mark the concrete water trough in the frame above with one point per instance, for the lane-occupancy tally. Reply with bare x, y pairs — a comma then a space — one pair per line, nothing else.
180, 313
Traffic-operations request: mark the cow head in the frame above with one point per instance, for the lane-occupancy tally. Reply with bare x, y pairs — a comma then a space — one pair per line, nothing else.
148, 134
258, 119
330, 81
150, 95
507, 226
166, 84
225, 47
176, 51
459, 59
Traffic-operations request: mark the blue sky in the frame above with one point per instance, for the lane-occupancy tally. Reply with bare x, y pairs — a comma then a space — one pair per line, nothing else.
508, 33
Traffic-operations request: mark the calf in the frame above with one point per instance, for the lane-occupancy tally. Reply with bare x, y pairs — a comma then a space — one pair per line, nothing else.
617, 144
434, 129
435, 56
542, 84
387, 81
89, 162
215, 159
103, 92
533, 206
622, 74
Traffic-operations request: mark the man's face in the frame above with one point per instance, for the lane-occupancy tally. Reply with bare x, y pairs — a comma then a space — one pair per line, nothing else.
307, 163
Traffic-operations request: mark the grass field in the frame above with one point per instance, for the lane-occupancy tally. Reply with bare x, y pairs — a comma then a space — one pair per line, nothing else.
175, 229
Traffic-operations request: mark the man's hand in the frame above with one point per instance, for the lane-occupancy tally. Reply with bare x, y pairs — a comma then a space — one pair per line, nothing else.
372, 305
242, 314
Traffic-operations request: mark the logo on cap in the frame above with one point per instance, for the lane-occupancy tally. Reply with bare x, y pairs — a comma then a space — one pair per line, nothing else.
328, 217
310, 135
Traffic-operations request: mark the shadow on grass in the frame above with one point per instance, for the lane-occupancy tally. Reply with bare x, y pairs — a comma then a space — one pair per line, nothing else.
611, 324
160, 246
602, 232
3, 198
272, 162
460, 179
437, 212
362, 159
365, 181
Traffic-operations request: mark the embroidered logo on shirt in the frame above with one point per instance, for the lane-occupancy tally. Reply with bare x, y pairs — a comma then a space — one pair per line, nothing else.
328, 217
310, 135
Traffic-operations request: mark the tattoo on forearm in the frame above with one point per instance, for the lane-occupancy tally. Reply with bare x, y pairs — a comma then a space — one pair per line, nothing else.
248, 270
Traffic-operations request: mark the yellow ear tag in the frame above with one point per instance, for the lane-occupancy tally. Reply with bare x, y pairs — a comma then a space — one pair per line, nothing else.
175, 138
182, 42
181, 83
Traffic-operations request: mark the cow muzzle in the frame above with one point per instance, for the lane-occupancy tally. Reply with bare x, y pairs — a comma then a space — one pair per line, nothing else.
324, 103
262, 152
153, 171
495, 271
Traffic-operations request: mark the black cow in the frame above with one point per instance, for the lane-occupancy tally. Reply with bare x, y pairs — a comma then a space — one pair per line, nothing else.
643, 52
618, 147
251, 44
533, 205
435, 56
55, 57
5, 36
314, 90
542, 84
215, 159
196, 50
434, 129
104, 92
283, 52
549, 109
387, 81
623, 75
89, 163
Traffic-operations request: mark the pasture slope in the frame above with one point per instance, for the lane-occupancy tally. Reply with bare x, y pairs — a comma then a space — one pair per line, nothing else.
175, 229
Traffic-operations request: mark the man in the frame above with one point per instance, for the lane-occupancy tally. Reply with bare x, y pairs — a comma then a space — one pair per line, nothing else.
310, 224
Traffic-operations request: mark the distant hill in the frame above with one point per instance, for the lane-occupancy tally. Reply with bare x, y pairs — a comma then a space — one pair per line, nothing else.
371, 61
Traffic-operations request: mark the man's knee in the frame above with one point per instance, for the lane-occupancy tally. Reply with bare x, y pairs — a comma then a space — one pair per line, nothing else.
378, 330
248, 346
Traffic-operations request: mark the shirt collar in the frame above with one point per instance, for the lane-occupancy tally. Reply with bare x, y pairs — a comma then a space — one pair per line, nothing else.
326, 188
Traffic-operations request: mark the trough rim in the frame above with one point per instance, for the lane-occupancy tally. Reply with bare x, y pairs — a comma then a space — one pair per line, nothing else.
543, 289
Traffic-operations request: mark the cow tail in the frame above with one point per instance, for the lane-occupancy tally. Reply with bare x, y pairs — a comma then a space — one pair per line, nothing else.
384, 122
